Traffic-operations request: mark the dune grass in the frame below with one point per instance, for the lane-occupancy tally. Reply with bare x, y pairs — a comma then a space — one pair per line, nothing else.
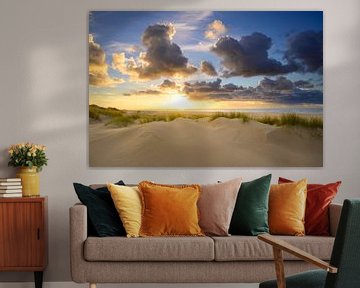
292, 119
122, 118
231, 115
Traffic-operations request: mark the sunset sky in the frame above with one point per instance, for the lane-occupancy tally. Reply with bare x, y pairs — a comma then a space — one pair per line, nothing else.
206, 60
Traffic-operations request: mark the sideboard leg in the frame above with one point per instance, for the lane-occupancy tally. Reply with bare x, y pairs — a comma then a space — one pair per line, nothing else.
38, 279
92, 285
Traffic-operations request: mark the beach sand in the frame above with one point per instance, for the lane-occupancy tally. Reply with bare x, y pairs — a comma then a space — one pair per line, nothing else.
203, 143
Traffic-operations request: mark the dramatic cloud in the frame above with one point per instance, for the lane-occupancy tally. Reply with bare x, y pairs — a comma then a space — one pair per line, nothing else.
304, 84
162, 58
280, 90
249, 56
202, 86
207, 68
202, 90
168, 84
277, 85
98, 68
215, 30
306, 49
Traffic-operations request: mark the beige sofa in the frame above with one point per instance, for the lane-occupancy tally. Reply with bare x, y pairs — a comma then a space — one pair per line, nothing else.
234, 259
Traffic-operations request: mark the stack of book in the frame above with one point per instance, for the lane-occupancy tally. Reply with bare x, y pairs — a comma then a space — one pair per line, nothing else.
10, 187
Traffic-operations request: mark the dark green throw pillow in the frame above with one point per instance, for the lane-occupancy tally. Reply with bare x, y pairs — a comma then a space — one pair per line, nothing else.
250, 216
103, 218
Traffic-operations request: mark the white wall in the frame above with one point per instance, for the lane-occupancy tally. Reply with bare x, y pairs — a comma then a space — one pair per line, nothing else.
43, 90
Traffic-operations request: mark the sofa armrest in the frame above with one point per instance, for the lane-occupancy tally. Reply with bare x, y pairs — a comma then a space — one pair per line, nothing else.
78, 235
334, 216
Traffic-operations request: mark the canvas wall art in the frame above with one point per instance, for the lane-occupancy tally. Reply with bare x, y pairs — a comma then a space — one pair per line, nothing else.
205, 89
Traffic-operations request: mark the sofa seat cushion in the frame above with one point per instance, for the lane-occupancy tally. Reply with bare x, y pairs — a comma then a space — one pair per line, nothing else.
245, 248
149, 249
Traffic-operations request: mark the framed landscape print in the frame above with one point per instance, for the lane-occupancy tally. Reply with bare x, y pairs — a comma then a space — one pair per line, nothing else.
205, 88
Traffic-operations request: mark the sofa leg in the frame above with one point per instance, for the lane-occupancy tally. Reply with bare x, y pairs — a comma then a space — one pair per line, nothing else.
92, 285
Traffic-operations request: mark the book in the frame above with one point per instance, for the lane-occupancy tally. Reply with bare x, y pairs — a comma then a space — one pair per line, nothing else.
2, 195
10, 187
10, 179
10, 183
10, 191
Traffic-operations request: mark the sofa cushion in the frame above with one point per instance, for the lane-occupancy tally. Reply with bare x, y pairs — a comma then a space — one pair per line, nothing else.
127, 201
287, 204
169, 210
250, 216
216, 205
318, 199
102, 216
244, 248
149, 249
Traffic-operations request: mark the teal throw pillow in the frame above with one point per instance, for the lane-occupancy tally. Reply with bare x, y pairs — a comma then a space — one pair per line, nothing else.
250, 216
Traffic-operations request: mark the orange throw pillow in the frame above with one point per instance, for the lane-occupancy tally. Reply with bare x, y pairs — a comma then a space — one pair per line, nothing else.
318, 200
287, 204
169, 210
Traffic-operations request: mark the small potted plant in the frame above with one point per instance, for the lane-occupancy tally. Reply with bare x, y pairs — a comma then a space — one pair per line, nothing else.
30, 158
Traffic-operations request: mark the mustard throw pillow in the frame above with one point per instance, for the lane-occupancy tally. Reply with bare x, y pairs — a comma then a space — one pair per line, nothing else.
287, 204
169, 210
127, 201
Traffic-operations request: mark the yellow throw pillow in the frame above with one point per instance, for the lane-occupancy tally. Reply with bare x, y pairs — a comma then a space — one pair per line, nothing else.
287, 204
127, 201
169, 210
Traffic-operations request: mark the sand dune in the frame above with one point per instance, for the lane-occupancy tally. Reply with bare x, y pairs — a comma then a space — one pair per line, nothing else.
198, 143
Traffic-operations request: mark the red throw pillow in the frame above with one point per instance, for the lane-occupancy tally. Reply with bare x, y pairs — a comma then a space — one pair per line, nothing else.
319, 197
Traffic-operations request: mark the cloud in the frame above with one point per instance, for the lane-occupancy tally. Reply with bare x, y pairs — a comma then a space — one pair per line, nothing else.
185, 27
198, 47
280, 90
168, 84
165, 87
187, 24
306, 49
202, 86
215, 29
207, 68
115, 46
162, 58
202, 90
304, 84
249, 56
190, 21
277, 85
98, 68
143, 92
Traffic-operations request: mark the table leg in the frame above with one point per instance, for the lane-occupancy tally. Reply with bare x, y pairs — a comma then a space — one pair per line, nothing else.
38, 279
